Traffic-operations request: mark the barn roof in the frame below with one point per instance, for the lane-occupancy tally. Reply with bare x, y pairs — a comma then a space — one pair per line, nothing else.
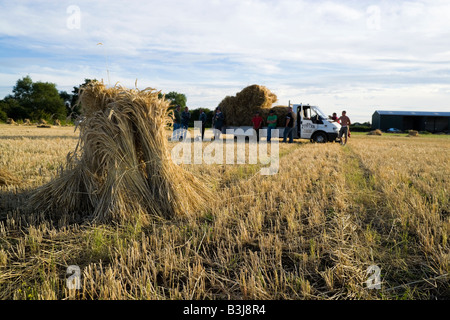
414, 113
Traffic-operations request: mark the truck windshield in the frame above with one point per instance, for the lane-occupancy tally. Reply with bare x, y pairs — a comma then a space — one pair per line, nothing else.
319, 112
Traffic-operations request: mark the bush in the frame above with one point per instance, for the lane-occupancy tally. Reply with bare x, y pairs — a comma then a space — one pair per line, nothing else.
360, 128
3, 116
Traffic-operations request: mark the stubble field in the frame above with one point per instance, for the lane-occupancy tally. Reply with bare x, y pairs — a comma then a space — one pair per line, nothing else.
311, 231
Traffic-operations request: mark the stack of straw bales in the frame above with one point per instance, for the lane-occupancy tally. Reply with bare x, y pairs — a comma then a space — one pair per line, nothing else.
122, 166
11, 121
43, 124
413, 133
240, 109
376, 132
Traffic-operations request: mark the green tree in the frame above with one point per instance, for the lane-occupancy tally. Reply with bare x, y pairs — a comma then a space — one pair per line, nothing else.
3, 111
13, 108
22, 92
175, 98
67, 98
34, 100
47, 102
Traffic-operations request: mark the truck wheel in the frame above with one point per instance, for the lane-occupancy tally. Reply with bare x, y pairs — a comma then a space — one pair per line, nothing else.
320, 137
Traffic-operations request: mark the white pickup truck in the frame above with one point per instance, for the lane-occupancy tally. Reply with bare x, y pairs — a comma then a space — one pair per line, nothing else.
311, 123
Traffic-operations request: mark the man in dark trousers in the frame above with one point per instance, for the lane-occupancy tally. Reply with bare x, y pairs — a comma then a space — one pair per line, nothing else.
271, 124
289, 127
185, 117
203, 119
218, 121
257, 121
176, 123
345, 124
336, 119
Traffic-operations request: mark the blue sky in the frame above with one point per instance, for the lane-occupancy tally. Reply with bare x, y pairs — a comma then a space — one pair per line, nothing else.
360, 56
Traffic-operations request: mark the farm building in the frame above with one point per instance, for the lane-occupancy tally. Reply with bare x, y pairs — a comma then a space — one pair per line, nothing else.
411, 120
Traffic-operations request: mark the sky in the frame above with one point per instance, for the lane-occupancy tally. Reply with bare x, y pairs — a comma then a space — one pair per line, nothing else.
353, 55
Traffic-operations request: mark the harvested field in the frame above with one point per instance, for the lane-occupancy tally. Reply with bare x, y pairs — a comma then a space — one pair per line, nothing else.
303, 233
6, 178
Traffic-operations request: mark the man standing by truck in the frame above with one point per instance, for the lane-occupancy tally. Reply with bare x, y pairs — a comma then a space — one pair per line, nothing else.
271, 124
289, 127
345, 124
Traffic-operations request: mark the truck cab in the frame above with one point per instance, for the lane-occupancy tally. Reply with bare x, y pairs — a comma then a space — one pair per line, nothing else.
314, 125
311, 123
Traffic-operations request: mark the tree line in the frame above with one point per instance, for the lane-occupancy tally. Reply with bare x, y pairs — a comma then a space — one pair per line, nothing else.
42, 100
39, 100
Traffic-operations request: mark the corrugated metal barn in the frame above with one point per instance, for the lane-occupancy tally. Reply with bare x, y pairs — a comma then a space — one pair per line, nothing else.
411, 120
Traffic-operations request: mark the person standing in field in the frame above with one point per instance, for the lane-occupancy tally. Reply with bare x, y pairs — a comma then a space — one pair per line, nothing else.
335, 119
218, 122
345, 124
176, 123
213, 120
289, 127
271, 124
257, 121
203, 119
185, 117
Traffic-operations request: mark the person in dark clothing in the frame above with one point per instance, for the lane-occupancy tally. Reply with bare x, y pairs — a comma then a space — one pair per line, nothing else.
218, 122
176, 123
289, 127
185, 117
214, 117
203, 119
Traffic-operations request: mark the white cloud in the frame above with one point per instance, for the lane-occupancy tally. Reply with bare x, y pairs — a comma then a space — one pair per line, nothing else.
308, 48
337, 12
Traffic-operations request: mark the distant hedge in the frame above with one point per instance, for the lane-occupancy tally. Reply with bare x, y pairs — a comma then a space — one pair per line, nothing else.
360, 128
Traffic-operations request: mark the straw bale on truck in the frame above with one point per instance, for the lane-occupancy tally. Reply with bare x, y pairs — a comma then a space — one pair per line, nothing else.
240, 109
